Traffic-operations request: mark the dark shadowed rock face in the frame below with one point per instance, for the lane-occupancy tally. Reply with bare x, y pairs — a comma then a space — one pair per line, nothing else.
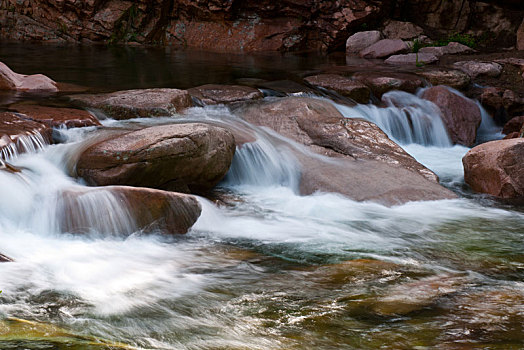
137, 103
513, 125
181, 157
141, 209
496, 168
460, 116
365, 164
342, 85
56, 117
212, 94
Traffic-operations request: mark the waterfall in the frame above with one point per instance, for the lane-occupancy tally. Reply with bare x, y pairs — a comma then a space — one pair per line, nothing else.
30, 143
261, 163
407, 119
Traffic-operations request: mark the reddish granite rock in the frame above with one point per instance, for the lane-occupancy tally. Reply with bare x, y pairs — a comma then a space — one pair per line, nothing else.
496, 168
211, 94
10, 80
401, 30
140, 208
385, 48
477, 68
137, 103
181, 157
452, 48
513, 125
374, 167
56, 117
361, 40
412, 59
450, 77
461, 116
382, 82
512, 135
18, 134
342, 85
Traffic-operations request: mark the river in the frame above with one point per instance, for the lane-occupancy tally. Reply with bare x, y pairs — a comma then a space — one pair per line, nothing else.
263, 267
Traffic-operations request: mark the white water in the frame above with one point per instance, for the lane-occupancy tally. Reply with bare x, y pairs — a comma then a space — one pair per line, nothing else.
160, 284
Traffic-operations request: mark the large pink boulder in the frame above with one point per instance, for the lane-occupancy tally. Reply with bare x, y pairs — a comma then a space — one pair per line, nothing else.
385, 48
460, 115
496, 168
10, 80
361, 40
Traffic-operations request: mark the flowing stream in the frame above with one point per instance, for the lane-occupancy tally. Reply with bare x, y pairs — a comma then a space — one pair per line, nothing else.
267, 268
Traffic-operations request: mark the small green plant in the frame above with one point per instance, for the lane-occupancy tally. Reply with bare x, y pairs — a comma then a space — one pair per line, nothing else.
417, 45
464, 39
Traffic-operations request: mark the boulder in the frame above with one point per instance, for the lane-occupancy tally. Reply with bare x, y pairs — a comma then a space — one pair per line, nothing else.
412, 59
19, 135
361, 154
401, 30
182, 157
382, 82
212, 94
385, 48
4, 258
520, 37
137, 103
10, 80
501, 103
451, 48
450, 77
342, 85
476, 68
460, 115
54, 117
512, 135
513, 125
140, 209
496, 168
361, 40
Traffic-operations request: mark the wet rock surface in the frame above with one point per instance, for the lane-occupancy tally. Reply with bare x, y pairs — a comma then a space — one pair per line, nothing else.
15, 132
4, 258
460, 116
382, 82
342, 85
513, 125
412, 59
10, 80
450, 77
223, 94
477, 68
143, 209
360, 151
496, 168
181, 157
56, 117
137, 103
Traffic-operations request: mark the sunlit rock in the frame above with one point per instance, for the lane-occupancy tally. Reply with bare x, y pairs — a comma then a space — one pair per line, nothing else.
56, 117
496, 168
181, 157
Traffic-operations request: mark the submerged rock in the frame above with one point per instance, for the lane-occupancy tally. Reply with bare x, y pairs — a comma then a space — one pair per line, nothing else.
56, 117
385, 48
405, 298
212, 94
137, 103
364, 163
145, 209
460, 116
382, 82
496, 168
10, 80
181, 157
361, 40
342, 85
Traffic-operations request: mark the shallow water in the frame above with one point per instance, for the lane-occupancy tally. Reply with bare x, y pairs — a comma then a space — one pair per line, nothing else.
264, 268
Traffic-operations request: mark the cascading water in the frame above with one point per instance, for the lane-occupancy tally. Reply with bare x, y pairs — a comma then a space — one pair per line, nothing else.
30, 143
406, 119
